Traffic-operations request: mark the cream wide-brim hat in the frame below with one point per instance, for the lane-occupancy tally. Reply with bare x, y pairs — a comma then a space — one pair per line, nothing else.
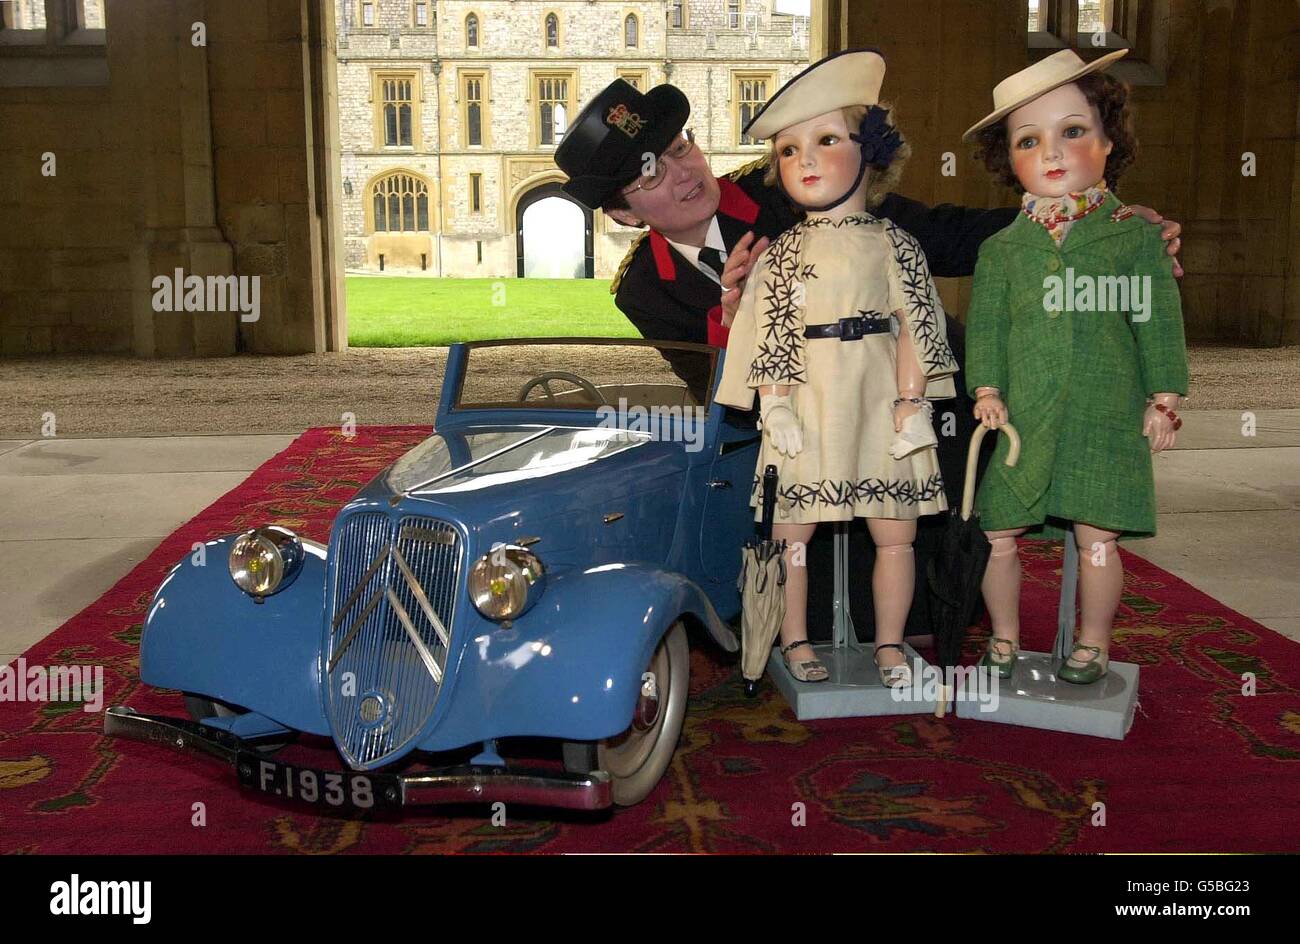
852, 77
1060, 68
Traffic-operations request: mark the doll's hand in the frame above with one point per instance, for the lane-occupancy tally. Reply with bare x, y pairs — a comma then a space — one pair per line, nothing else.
991, 411
780, 424
902, 412
1170, 232
1158, 428
915, 432
736, 270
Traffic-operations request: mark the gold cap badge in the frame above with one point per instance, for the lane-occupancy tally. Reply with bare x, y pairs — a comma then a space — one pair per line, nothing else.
628, 122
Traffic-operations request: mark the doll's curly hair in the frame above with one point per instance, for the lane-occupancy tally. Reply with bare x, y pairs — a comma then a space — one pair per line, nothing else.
1105, 93
882, 179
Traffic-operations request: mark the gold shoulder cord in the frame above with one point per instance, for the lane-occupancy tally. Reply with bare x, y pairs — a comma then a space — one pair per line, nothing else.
627, 261
746, 168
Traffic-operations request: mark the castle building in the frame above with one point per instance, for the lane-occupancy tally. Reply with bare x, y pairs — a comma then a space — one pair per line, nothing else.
450, 113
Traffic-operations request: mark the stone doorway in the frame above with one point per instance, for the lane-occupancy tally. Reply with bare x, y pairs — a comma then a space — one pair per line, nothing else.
553, 235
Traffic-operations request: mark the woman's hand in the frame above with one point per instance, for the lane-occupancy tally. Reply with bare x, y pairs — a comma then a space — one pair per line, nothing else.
990, 411
735, 271
1158, 428
1170, 232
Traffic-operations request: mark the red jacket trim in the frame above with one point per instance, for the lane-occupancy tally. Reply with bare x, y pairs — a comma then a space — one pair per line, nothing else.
663, 257
717, 333
735, 202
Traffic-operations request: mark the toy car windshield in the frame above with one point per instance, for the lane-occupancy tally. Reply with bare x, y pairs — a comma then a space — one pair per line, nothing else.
585, 374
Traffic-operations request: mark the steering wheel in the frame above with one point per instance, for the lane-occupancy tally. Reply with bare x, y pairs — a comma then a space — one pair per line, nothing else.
544, 381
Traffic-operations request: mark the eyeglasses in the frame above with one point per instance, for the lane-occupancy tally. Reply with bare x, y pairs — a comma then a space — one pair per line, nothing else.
681, 147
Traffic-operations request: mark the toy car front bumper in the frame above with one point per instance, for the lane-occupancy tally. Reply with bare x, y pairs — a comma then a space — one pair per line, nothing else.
463, 784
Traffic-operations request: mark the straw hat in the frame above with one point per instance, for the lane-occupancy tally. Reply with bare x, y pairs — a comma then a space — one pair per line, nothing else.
1056, 70
852, 77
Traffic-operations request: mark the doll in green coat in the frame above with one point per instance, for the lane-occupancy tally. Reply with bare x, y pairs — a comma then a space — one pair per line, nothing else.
1075, 334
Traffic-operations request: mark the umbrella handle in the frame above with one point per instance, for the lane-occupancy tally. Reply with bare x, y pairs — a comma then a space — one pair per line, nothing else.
769, 502
972, 459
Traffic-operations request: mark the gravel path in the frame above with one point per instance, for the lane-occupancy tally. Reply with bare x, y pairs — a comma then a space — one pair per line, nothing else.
124, 396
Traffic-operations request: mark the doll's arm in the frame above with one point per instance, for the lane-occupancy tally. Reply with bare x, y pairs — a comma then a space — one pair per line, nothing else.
1158, 326
778, 347
987, 326
915, 302
1162, 348
909, 375
987, 329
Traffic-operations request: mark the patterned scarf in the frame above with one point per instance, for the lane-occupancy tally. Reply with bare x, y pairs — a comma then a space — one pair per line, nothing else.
1057, 214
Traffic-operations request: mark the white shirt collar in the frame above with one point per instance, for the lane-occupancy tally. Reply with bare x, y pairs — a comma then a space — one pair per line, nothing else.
692, 253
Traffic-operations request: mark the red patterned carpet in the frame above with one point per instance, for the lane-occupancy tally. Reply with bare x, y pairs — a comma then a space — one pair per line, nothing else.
1204, 769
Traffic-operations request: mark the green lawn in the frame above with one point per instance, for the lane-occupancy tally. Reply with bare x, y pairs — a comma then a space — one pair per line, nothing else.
417, 312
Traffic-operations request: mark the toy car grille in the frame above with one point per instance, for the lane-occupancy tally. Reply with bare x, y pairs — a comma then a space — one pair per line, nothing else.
391, 609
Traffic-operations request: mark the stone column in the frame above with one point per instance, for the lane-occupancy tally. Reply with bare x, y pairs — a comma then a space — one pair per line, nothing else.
167, 84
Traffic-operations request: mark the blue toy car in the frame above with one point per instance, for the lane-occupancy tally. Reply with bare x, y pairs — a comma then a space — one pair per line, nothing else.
531, 569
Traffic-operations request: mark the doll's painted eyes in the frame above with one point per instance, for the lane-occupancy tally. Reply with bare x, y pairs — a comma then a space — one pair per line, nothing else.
830, 140
1075, 131
1027, 143
788, 150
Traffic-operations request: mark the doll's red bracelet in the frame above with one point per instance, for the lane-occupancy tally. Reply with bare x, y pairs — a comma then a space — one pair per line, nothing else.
1173, 416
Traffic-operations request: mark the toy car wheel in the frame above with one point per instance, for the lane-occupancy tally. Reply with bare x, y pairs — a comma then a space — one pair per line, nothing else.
636, 759
200, 708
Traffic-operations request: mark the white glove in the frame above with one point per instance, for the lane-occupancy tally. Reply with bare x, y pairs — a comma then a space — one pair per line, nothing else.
917, 434
781, 425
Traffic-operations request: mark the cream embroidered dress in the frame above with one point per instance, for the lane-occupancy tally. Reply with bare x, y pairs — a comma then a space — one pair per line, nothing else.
842, 392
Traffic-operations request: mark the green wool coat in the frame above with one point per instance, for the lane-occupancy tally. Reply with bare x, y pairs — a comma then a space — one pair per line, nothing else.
1075, 382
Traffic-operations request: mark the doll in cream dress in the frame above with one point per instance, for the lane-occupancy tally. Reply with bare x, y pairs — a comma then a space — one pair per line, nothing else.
840, 333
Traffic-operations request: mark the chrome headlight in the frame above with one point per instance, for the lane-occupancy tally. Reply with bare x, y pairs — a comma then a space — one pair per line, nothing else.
265, 560
506, 581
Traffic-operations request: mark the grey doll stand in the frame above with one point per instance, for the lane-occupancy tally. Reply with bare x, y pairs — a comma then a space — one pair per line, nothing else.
854, 689
1035, 698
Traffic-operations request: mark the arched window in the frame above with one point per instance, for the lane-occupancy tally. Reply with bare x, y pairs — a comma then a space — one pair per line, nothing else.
474, 109
401, 204
629, 30
471, 30
552, 31
397, 112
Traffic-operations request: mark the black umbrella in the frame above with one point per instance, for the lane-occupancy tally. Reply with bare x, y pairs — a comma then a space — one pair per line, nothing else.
955, 572
762, 591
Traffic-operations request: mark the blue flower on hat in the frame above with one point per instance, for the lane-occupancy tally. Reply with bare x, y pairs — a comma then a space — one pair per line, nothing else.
879, 140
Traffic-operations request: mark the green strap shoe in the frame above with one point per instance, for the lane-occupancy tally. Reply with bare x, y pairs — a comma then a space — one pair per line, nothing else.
1090, 671
1003, 663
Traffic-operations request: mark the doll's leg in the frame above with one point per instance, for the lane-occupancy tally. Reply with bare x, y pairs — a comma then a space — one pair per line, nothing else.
1101, 581
1001, 588
795, 624
892, 582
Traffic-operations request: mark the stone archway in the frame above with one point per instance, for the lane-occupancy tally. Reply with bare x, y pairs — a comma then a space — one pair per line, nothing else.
568, 233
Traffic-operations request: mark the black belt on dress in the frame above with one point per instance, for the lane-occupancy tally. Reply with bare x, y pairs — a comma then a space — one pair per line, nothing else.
848, 329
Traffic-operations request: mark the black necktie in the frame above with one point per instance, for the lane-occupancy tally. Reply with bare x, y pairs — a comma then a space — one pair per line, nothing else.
713, 259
